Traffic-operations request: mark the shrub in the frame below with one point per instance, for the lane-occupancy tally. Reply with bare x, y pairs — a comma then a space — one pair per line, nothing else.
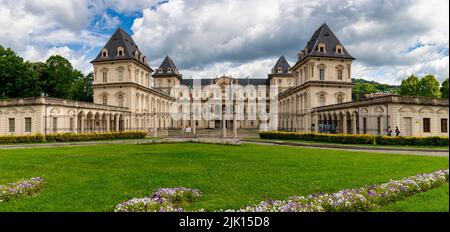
68, 137
332, 138
357, 138
37, 138
413, 141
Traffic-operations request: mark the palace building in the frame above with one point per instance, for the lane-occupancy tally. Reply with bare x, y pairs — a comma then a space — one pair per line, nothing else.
314, 95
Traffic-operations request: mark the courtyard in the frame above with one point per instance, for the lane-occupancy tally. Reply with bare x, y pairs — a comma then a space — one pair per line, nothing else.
98, 177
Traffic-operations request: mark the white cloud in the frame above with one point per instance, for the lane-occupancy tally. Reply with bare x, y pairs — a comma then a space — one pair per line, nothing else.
389, 39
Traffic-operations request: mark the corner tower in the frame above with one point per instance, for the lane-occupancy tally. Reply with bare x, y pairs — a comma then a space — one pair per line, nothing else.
281, 75
120, 69
323, 70
167, 75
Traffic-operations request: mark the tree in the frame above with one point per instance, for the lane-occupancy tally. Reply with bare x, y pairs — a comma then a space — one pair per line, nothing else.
410, 86
82, 88
16, 78
58, 77
429, 86
444, 89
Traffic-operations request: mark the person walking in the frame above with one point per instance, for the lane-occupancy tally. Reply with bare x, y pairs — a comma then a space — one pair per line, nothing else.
397, 131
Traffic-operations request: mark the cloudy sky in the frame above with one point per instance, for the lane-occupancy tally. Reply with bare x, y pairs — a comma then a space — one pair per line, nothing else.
389, 39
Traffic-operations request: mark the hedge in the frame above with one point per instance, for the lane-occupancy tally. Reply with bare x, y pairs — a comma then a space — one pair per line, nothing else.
67, 137
357, 138
37, 138
413, 141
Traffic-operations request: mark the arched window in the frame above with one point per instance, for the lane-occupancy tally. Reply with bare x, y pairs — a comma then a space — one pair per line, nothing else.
321, 74
104, 53
120, 51
339, 74
340, 98
322, 100
105, 100
120, 100
321, 48
339, 49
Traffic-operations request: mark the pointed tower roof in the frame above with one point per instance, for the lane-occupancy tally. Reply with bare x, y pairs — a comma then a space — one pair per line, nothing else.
167, 68
324, 35
122, 39
281, 64
281, 68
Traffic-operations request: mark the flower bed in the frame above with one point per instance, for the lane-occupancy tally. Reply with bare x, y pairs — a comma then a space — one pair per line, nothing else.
357, 138
162, 200
21, 188
353, 200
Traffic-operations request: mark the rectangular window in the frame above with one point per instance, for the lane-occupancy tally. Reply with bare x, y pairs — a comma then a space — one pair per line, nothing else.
27, 124
55, 125
339, 74
105, 77
426, 125
444, 128
322, 74
120, 76
12, 124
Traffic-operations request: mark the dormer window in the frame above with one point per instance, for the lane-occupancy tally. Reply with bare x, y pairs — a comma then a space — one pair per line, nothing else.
104, 53
339, 49
136, 54
321, 47
279, 70
169, 70
160, 70
120, 51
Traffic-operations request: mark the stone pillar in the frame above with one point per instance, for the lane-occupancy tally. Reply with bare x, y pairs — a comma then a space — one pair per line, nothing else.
224, 126
108, 122
82, 124
344, 124
117, 122
316, 123
354, 124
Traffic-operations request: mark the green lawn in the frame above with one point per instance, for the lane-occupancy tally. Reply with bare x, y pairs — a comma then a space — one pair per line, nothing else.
96, 178
366, 145
435, 200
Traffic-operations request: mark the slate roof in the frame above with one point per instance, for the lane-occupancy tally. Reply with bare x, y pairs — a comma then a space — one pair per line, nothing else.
165, 65
283, 64
326, 36
123, 39
241, 81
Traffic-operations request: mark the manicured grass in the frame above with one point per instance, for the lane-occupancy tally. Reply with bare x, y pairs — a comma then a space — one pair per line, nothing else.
366, 145
435, 200
96, 178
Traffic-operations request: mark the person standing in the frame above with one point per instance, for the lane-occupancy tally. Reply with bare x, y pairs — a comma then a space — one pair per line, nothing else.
389, 131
